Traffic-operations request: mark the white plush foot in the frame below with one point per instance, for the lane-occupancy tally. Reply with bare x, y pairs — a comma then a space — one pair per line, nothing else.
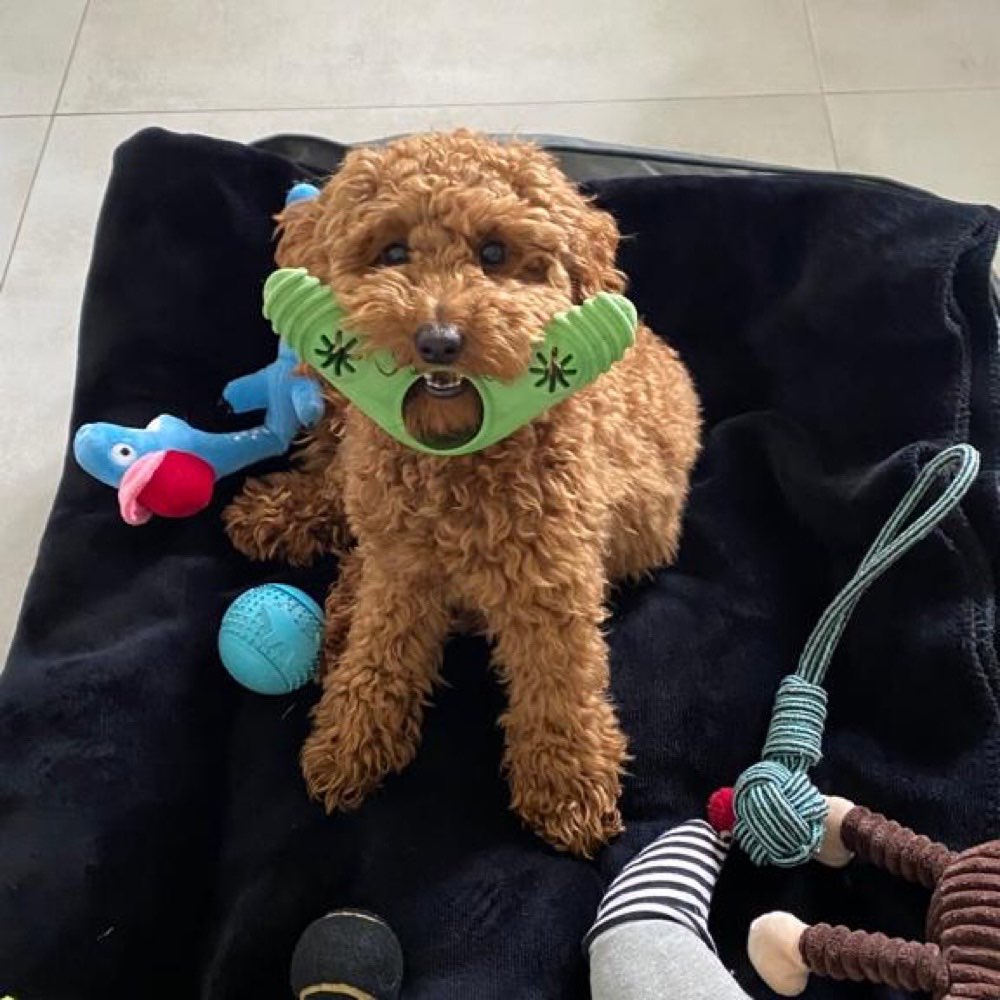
832, 851
773, 947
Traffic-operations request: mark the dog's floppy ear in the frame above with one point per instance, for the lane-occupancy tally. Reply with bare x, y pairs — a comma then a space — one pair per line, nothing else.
309, 224
591, 240
299, 243
592, 247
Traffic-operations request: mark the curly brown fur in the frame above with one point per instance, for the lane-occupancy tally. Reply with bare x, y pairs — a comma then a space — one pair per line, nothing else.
524, 535
296, 515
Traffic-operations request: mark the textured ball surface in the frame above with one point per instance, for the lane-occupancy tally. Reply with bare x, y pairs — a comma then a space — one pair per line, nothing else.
270, 638
347, 948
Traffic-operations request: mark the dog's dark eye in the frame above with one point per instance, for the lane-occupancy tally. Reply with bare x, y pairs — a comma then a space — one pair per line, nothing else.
492, 254
394, 255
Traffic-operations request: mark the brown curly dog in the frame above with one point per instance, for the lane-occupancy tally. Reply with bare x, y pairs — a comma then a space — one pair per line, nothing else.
454, 251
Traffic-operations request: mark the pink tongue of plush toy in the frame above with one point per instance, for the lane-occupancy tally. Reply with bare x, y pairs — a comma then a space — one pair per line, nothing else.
167, 483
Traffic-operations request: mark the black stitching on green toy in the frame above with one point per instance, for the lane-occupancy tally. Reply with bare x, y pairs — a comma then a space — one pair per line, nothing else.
336, 353
552, 370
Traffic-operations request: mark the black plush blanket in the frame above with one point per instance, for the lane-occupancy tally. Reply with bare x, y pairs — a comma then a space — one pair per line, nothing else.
155, 838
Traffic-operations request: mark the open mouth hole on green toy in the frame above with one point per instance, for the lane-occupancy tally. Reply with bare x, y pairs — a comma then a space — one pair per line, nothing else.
449, 399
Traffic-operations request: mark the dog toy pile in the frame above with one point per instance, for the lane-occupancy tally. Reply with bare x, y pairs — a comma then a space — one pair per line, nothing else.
576, 348
652, 924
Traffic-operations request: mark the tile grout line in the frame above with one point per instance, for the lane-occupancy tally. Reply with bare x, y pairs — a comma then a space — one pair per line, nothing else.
434, 105
827, 117
72, 56
27, 198
44, 146
979, 88
755, 95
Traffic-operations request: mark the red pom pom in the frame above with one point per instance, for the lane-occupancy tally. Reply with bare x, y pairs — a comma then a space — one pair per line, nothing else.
181, 486
720, 810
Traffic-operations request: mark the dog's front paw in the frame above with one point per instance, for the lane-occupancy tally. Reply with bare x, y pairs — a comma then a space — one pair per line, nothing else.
573, 807
345, 761
263, 522
338, 775
255, 522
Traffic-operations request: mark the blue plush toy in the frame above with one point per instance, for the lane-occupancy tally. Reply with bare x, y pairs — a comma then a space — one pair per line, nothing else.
169, 467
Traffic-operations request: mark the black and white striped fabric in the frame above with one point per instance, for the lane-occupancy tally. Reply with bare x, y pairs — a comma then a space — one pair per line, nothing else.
671, 879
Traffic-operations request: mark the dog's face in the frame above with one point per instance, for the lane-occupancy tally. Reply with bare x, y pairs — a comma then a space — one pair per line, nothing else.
452, 252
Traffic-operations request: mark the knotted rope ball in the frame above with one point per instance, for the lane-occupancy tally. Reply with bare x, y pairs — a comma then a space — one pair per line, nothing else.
780, 813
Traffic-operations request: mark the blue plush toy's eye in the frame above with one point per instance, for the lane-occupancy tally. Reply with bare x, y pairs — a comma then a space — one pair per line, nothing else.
123, 454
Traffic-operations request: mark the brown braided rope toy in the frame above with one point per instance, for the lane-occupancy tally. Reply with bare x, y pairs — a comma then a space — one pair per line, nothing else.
960, 959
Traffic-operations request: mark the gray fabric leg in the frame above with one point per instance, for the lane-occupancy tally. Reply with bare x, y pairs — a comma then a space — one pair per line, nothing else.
656, 959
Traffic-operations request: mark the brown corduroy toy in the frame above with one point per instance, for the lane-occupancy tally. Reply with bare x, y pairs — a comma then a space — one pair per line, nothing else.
960, 959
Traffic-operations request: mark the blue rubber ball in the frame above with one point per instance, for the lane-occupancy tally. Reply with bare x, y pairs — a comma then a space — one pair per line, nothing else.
270, 638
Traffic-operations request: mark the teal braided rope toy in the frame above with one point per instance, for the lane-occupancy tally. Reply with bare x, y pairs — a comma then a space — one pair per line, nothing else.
779, 812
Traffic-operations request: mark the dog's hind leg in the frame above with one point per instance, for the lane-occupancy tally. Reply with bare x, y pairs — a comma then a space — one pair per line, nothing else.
645, 526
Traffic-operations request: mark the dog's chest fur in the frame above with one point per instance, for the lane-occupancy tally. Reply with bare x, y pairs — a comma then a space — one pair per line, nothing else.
466, 513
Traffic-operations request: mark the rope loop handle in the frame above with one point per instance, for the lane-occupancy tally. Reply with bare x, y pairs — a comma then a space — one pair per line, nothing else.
894, 540
780, 813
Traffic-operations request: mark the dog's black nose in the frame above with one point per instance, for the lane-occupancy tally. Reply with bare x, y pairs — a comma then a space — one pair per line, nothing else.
439, 343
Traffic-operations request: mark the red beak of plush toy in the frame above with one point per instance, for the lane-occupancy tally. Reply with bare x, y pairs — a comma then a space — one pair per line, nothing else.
167, 483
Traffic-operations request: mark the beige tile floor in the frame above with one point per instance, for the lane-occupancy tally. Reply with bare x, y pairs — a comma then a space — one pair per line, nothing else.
908, 88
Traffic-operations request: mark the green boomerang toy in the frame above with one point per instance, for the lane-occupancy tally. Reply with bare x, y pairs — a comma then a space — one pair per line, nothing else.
577, 347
